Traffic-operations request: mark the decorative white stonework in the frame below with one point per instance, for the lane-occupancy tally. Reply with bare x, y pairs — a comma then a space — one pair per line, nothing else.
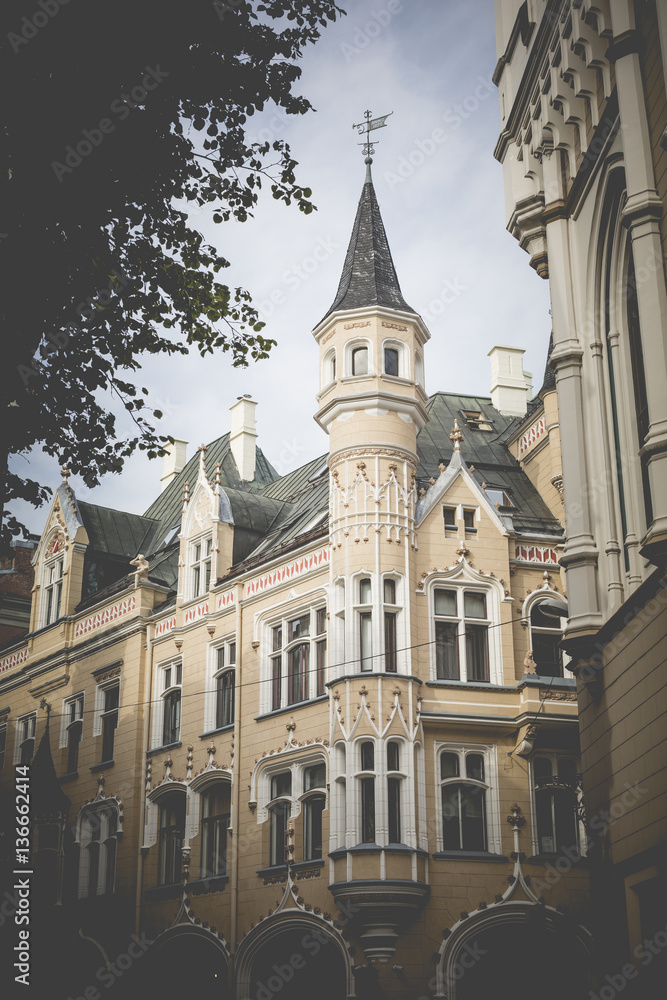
195, 613
14, 660
543, 555
105, 617
225, 600
285, 573
165, 626
362, 507
532, 435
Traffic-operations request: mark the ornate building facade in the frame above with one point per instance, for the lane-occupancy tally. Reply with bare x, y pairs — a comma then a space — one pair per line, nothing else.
314, 734
583, 148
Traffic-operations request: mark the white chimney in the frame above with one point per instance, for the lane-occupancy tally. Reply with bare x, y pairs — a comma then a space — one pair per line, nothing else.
174, 461
511, 386
243, 437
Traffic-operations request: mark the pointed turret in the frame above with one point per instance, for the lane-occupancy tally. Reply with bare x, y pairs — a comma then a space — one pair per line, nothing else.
369, 276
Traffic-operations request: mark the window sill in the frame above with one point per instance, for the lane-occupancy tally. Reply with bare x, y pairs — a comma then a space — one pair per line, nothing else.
290, 708
363, 674
469, 856
202, 886
159, 892
214, 732
298, 866
70, 776
542, 680
342, 852
167, 746
101, 767
442, 682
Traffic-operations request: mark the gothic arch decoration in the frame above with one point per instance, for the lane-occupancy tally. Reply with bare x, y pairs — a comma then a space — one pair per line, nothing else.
364, 507
507, 909
206, 503
399, 721
286, 755
292, 915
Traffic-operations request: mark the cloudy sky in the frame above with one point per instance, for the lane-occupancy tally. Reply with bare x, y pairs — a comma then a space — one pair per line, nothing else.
441, 196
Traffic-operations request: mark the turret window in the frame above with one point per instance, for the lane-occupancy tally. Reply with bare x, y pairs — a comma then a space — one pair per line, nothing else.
360, 361
391, 361
365, 625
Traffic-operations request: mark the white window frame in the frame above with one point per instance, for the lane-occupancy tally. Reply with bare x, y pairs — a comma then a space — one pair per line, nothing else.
419, 368
196, 565
298, 796
160, 694
350, 348
85, 827
213, 674
553, 755
329, 368
489, 752
50, 584
460, 583
376, 608
351, 780
403, 358
27, 722
539, 597
67, 722
270, 654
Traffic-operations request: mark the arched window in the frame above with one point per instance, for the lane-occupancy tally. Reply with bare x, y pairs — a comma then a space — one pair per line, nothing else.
419, 369
329, 368
171, 830
224, 684
314, 802
53, 587
366, 779
200, 558
461, 634
97, 850
360, 361
280, 808
463, 801
339, 792
365, 614
215, 821
391, 361
556, 782
296, 665
545, 637
167, 721
73, 718
395, 779
25, 739
390, 619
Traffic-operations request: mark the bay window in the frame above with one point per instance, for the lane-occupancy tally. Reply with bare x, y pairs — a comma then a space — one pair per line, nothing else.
556, 785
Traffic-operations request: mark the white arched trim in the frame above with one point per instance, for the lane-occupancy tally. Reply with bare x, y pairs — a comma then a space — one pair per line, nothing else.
289, 919
290, 759
153, 800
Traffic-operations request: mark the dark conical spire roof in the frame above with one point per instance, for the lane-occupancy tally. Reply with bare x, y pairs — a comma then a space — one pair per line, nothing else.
549, 381
369, 276
47, 795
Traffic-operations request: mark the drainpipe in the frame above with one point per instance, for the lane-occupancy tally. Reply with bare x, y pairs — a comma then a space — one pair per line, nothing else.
236, 787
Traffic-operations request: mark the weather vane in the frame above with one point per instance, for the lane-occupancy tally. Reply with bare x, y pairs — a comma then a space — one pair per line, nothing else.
366, 127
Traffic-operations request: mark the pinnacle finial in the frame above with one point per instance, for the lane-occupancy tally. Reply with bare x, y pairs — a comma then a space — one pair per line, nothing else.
456, 437
64, 472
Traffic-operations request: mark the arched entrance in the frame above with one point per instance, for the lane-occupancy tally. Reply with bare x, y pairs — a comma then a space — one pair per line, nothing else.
184, 961
527, 948
293, 958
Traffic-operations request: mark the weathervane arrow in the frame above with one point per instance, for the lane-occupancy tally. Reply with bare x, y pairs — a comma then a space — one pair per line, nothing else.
368, 126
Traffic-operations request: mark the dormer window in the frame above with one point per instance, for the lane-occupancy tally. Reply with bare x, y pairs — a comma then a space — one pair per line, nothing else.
499, 497
53, 589
200, 567
476, 420
360, 361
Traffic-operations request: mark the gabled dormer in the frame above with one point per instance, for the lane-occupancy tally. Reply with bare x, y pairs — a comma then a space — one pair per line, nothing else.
207, 534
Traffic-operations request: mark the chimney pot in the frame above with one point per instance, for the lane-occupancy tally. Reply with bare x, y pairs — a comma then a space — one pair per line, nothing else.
174, 461
511, 386
243, 437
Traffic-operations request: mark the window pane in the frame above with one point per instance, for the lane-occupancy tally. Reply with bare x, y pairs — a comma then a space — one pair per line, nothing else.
299, 627
221, 657
278, 818
276, 682
392, 757
277, 637
224, 709
473, 823
360, 361
446, 651
474, 605
469, 520
567, 769
232, 652
367, 756
445, 603
111, 698
449, 765
547, 654
321, 620
365, 591
297, 674
541, 768
451, 818
73, 740
172, 718
207, 577
540, 620
391, 361
477, 660
394, 805
109, 724
215, 812
390, 592
390, 642
366, 640
368, 810
565, 822
281, 784
321, 657
449, 517
475, 766
312, 828
315, 777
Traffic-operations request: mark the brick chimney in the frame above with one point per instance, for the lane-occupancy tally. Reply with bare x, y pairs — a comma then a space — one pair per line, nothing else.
243, 437
511, 386
174, 461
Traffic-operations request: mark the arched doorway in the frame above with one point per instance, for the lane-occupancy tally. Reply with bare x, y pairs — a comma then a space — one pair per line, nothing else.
181, 962
525, 948
293, 959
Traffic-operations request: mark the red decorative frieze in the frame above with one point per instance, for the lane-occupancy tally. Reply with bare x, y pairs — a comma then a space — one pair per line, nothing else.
14, 659
533, 435
193, 614
226, 600
286, 573
105, 617
166, 625
543, 555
